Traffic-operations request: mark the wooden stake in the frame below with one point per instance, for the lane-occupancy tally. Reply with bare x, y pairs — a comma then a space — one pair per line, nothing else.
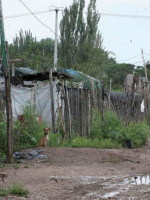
68, 102
9, 112
52, 99
35, 88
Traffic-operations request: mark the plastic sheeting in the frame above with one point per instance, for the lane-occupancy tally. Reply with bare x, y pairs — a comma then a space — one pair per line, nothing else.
25, 96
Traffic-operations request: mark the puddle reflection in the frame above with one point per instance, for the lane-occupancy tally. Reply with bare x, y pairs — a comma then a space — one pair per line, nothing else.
141, 180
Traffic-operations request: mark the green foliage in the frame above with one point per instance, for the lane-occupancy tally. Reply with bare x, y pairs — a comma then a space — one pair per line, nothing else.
113, 160
96, 129
80, 41
81, 142
28, 133
117, 72
138, 133
4, 192
55, 140
3, 138
115, 130
37, 55
17, 189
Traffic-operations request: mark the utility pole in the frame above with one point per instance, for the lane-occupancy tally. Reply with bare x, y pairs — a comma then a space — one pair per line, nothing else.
56, 41
6, 70
56, 37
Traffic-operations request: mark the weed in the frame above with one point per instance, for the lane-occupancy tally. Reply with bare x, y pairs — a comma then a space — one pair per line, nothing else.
26, 166
17, 189
113, 160
4, 192
16, 166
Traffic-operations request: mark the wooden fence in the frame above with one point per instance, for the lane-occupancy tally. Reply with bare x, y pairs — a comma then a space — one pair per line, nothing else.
127, 106
78, 107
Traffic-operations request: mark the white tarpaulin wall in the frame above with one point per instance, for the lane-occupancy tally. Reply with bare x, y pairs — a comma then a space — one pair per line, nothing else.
22, 96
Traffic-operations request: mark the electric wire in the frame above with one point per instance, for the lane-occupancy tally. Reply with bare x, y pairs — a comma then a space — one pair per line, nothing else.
36, 17
130, 58
26, 14
102, 14
126, 16
99, 58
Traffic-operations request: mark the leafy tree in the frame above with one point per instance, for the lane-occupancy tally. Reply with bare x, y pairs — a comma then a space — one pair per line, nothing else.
81, 42
37, 55
117, 72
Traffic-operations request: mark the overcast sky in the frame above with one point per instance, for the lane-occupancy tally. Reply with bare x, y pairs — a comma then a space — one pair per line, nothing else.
123, 36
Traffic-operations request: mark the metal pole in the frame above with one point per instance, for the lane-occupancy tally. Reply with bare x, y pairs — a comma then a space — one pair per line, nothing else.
56, 41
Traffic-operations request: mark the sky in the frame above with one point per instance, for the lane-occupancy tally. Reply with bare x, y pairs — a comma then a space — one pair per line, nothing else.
124, 36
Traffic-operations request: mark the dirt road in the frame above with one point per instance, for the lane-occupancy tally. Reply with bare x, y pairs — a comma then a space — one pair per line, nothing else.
70, 174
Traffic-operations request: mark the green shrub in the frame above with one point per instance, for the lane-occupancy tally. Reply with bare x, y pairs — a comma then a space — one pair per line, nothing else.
55, 140
4, 192
115, 133
138, 133
28, 133
81, 142
96, 128
3, 137
17, 189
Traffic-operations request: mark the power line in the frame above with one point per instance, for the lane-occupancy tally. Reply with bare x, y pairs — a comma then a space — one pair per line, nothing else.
129, 58
102, 14
126, 16
26, 14
108, 14
36, 17
146, 54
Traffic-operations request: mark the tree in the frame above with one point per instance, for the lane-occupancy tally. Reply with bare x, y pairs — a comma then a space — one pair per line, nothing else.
117, 72
81, 42
37, 55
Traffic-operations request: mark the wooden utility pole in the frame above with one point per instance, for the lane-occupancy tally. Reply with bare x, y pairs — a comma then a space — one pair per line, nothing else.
9, 112
52, 99
5, 67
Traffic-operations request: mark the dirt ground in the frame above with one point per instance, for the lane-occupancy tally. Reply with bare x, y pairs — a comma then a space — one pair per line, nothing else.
83, 174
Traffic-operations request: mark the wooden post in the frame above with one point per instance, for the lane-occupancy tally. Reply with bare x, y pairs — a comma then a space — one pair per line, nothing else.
68, 102
9, 111
110, 93
102, 98
62, 109
1, 99
89, 114
13, 69
52, 99
35, 88
61, 119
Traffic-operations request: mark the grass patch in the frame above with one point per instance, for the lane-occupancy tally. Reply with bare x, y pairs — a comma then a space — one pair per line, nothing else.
4, 192
113, 160
17, 189
81, 142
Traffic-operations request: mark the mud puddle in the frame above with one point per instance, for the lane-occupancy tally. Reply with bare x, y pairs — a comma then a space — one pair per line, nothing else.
108, 187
